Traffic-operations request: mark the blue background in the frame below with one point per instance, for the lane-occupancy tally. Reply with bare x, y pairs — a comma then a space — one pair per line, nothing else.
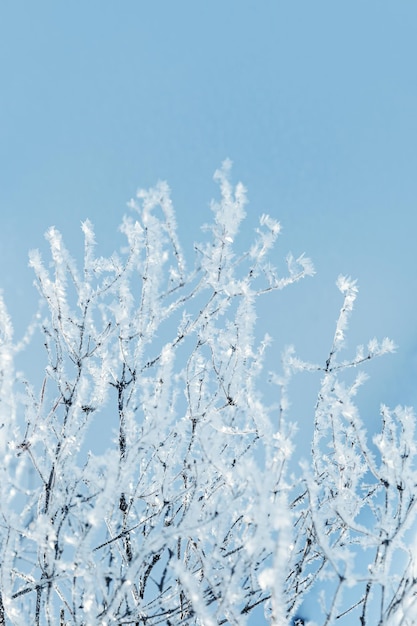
314, 102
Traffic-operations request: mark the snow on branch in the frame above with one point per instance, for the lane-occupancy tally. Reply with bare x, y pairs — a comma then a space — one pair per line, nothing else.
149, 480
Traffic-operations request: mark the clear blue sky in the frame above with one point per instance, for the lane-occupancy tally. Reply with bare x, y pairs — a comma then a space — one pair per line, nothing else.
314, 102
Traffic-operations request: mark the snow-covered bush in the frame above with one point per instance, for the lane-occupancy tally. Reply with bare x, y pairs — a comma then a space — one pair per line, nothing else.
190, 515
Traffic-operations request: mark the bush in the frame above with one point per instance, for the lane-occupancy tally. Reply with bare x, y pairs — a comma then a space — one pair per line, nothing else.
191, 515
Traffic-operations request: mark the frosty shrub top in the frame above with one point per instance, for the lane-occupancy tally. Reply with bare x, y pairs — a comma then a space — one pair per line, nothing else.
191, 515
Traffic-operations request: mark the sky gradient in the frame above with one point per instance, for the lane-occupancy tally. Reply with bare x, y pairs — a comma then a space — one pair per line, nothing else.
314, 102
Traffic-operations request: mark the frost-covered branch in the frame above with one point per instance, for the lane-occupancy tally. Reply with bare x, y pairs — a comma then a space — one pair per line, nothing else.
146, 480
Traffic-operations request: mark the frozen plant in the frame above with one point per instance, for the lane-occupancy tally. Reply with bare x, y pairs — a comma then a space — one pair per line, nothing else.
190, 515
355, 516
